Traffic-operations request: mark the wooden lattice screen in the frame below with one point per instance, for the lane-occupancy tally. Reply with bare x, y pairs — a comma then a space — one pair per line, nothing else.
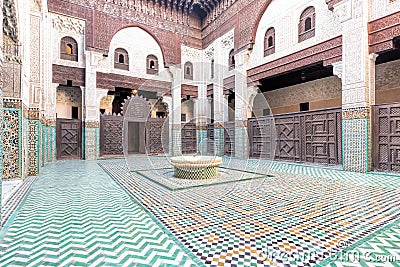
312, 136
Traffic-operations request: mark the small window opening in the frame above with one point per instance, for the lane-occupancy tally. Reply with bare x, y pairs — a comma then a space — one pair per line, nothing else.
69, 49
121, 59
307, 24
75, 113
305, 106
270, 41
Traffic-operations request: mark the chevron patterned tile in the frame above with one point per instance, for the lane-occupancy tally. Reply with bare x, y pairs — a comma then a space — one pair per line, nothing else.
381, 249
75, 215
12, 202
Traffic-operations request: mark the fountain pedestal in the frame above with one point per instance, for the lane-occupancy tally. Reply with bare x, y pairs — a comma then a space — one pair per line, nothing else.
196, 167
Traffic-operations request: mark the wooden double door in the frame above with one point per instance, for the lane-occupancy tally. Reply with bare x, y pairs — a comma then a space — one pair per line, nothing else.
69, 139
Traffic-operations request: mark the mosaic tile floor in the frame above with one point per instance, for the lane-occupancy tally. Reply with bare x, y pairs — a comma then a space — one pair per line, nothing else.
75, 214
299, 217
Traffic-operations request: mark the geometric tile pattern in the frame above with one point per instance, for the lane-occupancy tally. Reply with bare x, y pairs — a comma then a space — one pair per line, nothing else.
298, 217
12, 161
355, 146
12, 202
33, 147
75, 215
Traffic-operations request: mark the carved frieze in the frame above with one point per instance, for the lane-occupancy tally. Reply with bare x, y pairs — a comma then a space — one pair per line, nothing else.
209, 53
227, 41
356, 113
67, 24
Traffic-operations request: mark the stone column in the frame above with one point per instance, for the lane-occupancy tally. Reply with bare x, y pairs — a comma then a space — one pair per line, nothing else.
357, 84
90, 108
219, 111
241, 106
201, 105
175, 112
167, 146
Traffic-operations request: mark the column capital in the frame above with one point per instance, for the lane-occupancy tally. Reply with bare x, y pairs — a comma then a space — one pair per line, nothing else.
373, 57
338, 69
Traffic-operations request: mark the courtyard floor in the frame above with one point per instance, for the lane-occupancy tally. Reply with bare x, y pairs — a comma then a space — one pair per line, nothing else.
258, 213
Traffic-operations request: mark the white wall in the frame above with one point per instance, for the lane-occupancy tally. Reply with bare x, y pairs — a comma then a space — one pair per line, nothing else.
286, 29
67, 26
139, 45
382, 8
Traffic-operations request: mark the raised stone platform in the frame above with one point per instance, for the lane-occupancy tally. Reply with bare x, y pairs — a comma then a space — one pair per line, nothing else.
196, 167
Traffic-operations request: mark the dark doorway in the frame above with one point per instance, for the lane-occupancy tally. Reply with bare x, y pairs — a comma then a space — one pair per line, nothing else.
136, 138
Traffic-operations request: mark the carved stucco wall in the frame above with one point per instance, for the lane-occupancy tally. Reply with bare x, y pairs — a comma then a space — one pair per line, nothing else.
322, 93
286, 29
66, 26
382, 8
388, 82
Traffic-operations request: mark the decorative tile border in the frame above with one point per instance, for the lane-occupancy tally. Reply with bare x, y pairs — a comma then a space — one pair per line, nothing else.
10, 206
12, 143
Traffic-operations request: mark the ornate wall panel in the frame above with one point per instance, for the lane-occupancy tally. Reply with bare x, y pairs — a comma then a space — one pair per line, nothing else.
91, 143
111, 80
12, 141
382, 31
33, 148
313, 137
327, 52
104, 19
63, 73
11, 74
157, 140
386, 138
111, 128
261, 138
190, 90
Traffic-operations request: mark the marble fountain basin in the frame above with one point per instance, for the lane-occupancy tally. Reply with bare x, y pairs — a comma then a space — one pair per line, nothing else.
196, 167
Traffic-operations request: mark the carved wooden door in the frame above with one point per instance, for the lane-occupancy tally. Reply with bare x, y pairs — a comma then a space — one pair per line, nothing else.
229, 139
210, 139
69, 139
261, 137
386, 138
157, 142
111, 128
189, 139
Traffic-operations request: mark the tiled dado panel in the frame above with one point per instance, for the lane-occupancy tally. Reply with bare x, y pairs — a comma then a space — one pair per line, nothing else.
33, 147
12, 137
47, 144
92, 143
355, 145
